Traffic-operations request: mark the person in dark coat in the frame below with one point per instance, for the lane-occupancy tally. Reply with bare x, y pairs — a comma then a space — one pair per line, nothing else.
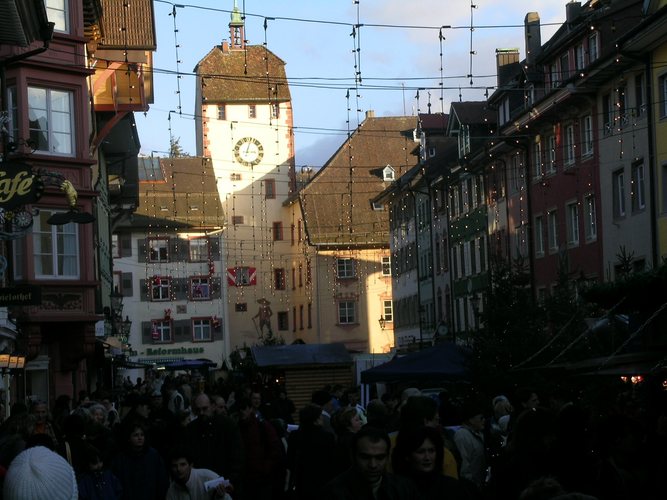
97, 482
310, 454
367, 479
215, 441
419, 455
264, 470
139, 467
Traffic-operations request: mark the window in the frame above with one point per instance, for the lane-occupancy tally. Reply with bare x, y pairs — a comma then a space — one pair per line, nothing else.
388, 174
638, 193
662, 96
515, 173
587, 135
244, 276
161, 330
569, 145
283, 321
310, 315
241, 307
158, 250
221, 112
539, 236
579, 59
640, 96
591, 229
387, 311
252, 111
386, 266
565, 66
554, 74
160, 288
573, 224
464, 140
234, 177
551, 164
200, 288
277, 231
50, 121
378, 207
618, 194
270, 189
593, 47
623, 118
275, 110
56, 248
201, 330
538, 169
552, 227
115, 246
56, 11
607, 114
345, 268
346, 312
279, 278
301, 317
198, 250
12, 107
294, 319
300, 275
504, 111
293, 278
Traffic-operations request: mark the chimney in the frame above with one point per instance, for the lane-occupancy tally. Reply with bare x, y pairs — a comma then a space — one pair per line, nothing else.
533, 37
370, 114
225, 46
572, 11
506, 59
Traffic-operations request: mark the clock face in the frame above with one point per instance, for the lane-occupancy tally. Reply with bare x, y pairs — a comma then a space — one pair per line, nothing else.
248, 151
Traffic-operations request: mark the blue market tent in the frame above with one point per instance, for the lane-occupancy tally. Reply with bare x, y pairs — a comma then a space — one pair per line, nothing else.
444, 361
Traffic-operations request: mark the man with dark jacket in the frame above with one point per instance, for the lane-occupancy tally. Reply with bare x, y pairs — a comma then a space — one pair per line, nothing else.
215, 441
367, 479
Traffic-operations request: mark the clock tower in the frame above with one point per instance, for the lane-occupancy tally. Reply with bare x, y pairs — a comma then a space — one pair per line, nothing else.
243, 113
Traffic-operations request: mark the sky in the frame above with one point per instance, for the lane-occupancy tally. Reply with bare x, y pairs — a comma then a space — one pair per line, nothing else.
406, 53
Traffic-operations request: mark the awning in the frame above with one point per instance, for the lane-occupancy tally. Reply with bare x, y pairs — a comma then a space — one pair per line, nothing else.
190, 364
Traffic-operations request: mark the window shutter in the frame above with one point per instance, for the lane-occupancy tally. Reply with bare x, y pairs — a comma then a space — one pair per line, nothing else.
146, 337
174, 245
214, 245
141, 250
180, 288
216, 287
143, 288
125, 242
126, 284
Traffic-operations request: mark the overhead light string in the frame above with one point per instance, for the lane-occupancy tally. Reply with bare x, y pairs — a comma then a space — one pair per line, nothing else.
472, 51
178, 60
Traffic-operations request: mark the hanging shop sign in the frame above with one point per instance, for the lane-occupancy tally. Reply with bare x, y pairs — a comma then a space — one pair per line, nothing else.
18, 185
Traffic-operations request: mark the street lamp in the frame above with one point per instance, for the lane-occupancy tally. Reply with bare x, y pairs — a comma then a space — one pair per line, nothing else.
382, 322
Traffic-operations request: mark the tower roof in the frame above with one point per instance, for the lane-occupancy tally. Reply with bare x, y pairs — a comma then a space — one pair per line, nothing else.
240, 75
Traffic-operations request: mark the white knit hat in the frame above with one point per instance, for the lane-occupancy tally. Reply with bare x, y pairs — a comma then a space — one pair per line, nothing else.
40, 474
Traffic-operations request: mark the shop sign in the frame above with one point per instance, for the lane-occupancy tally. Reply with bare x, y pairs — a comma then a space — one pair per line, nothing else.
24, 295
18, 185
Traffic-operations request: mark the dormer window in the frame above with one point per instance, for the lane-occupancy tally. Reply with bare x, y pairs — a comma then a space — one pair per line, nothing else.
388, 174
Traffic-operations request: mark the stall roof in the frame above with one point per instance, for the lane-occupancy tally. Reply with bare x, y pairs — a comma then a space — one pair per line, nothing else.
443, 361
301, 355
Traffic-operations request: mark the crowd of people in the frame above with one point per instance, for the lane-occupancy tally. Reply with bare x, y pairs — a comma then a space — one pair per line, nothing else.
177, 437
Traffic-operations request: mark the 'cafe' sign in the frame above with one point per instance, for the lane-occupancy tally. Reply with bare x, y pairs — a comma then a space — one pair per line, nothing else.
18, 185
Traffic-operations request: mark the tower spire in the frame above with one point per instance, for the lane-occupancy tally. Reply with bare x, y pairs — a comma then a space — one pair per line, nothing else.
237, 29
